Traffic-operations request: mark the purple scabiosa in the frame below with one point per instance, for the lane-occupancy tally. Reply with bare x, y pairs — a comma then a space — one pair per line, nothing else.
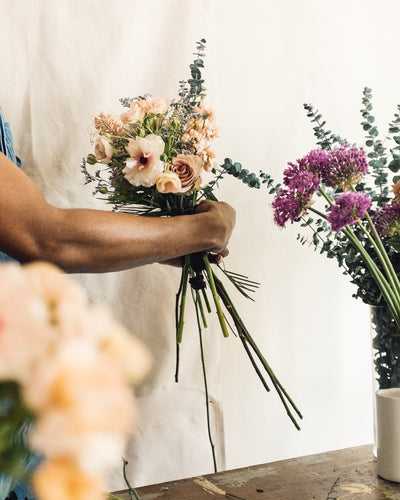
347, 209
345, 167
387, 220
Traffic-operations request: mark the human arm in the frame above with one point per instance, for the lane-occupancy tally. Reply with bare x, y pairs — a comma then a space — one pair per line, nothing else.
85, 240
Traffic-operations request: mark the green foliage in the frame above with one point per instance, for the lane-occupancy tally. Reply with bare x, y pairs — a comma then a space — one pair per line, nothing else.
236, 170
325, 138
382, 164
14, 419
386, 345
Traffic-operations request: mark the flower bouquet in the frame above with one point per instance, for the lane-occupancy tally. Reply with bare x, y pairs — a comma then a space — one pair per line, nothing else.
157, 161
341, 193
66, 370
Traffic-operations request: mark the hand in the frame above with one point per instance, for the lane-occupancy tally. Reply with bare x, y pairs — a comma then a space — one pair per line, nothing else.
220, 222
179, 261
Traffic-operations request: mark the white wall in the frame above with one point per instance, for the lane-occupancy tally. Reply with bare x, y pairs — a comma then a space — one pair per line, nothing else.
271, 58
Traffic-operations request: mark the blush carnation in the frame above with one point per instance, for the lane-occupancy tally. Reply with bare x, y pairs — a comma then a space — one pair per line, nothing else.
348, 208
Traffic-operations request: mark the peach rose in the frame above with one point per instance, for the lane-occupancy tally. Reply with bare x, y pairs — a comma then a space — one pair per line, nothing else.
156, 105
103, 150
62, 479
188, 168
143, 165
168, 182
137, 110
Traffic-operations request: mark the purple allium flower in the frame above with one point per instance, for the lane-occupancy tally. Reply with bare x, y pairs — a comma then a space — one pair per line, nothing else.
345, 167
311, 164
302, 181
348, 208
291, 202
387, 220
286, 207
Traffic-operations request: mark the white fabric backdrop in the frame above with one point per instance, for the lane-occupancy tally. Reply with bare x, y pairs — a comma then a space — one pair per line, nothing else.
63, 62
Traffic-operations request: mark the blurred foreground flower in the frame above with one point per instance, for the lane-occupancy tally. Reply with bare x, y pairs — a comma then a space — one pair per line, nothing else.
66, 368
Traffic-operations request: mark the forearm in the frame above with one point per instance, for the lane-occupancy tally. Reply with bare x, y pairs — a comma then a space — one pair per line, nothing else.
79, 240
84, 240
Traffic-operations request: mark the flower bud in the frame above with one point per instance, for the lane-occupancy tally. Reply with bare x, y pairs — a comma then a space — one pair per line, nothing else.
91, 159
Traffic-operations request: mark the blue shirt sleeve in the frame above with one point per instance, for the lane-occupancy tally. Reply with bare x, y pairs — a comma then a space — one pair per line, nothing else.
7, 148
9, 488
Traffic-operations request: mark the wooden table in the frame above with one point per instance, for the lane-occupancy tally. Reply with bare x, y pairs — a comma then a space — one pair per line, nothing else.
335, 475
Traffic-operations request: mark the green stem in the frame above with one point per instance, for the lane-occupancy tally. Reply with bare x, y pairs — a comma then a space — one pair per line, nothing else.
203, 365
386, 264
201, 308
181, 321
132, 492
380, 280
394, 277
246, 338
220, 314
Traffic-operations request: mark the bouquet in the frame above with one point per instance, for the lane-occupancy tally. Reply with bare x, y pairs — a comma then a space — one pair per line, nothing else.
349, 199
66, 369
157, 160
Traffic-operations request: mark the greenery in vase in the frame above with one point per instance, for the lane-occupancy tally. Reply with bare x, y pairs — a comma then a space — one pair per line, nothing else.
348, 198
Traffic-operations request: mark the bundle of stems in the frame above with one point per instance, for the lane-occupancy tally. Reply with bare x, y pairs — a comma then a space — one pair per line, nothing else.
198, 274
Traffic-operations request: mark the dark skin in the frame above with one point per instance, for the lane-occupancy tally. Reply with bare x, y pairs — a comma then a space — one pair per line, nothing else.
86, 240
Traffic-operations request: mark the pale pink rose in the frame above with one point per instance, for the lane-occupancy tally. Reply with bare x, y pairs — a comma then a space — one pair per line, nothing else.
156, 105
188, 168
137, 111
62, 479
144, 165
168, 182
103, 150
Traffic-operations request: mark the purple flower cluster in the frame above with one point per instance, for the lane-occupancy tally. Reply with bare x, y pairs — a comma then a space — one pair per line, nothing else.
345, 167
348, 208
301, 183
340, 168
387, 220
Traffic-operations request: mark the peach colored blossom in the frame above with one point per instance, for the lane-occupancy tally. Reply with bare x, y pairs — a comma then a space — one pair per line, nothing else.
103, 150
62, 479
85, 386
128, 352
95, 452
168, 182
144, 165
108, 123
137, 111
156, 105
23, 336
188, 168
